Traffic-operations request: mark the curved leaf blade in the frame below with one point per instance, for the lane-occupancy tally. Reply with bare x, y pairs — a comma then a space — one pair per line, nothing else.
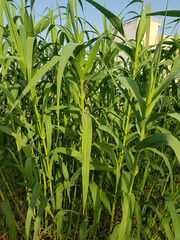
159, 139
115, 21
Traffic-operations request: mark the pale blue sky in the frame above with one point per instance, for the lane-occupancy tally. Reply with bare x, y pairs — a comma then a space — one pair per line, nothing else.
115, 6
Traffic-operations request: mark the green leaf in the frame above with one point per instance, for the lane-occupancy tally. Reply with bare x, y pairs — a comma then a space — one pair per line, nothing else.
47, 90
49, 132
43, 70
30, 171
9, 219
71, 11
112, 155
86, 153
165, 223
42, 206
95, 166
169, 13
131, 85
83, 231
1, 29
66, 53
92, 55
129, 156
43, 23
175, 218
97, 204
143, 23
126, 49
11, 98
165, 83
122, 230
12, 57
125, 181
115, 21
12, 28
138, 215
157, 140
29, 60
106, 201
35, 194
175, 115
68, 151
167, 164
21, 142
134, 1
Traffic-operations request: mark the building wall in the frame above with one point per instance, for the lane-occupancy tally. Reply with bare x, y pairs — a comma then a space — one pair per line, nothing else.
151, 34
150, 37
130, 29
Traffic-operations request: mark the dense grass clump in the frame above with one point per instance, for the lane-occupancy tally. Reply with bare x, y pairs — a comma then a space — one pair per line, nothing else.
89, 140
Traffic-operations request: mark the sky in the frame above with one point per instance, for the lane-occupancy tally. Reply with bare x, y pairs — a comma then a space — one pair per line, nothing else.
115, 6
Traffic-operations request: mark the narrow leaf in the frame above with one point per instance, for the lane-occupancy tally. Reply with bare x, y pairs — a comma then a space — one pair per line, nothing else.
66, 53
9, 219
115, 21
35, 194
131, 85
35, 79
42, 206
175, 218
157, 140
92, 55
86, 153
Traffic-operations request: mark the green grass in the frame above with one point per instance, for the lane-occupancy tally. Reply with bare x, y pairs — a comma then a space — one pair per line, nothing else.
89, 141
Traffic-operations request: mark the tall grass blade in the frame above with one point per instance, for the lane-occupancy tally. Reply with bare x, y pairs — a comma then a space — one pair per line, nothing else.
169, 13
83, 231
165, 83
12, 27
1, 28
9, 219
138, 216
97, 204
86, 153
129, 157
131, 85
42, 206
49, 132
66, 53
122, 230
35, 79
143, 24
115, 21
175, 218
106, 201
167, 164
35, 194
165, 223
92, 55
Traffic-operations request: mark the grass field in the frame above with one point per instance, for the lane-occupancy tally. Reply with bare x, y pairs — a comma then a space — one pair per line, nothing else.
89, 141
